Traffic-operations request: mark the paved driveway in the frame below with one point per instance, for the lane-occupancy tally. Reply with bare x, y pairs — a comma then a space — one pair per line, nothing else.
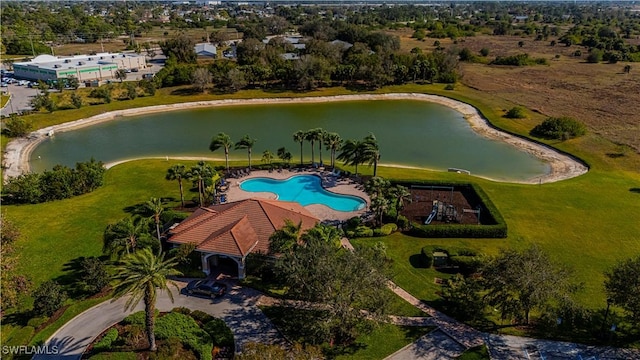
237, 308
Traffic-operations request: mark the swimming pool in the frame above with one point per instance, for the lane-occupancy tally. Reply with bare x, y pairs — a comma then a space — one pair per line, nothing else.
305, 190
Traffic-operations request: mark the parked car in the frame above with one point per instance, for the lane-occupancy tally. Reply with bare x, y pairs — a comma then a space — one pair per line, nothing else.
206, 287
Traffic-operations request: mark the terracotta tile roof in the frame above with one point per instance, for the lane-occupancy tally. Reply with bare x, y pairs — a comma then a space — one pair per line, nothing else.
240, 227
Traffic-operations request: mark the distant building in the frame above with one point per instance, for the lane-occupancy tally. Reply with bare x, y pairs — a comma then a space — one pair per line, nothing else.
206, 49
83, 67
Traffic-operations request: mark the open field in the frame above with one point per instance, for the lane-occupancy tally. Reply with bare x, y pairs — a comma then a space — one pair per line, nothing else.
600, 95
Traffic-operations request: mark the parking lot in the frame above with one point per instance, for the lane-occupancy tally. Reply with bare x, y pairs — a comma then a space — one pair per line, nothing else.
21, 93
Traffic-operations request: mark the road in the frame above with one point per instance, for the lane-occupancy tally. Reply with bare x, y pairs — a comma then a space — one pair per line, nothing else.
237, 308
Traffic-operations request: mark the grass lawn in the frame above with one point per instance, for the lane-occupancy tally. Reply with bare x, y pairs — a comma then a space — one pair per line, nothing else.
4, 99
385, 339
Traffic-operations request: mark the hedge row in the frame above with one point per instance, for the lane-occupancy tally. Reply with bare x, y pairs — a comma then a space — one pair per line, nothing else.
496, 226
468, 261
459, 231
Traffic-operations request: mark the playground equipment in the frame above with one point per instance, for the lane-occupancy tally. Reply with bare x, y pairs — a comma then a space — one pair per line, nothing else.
442, 211
477, 212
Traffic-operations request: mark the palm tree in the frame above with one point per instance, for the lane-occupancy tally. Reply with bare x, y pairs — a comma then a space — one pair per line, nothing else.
378, 189
125, 236
311, 136
323, 233
351, 153
284, 155
299, 136
246, 143
319, 134
177, 172
222, 140
156, 208
371, 152
401, 194
139, 275
286, 238
333, 141
267, 157
199, 174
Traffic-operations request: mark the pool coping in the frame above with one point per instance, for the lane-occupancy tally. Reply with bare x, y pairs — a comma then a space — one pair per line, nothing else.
343, 186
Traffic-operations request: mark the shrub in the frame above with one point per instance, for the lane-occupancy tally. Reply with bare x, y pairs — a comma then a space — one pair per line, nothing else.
403, 222
518, 60
94, 275
171, 348
48, 298
450, 87
577, 53
354, 222
595, 56
16, 126
562, 128
201, 317
187, 330
466, 264
136, 318
484, 52
105, 343
134, 335
389, 228
363, 231
426, 256
516, 112
219, 332
181, 310
459, 231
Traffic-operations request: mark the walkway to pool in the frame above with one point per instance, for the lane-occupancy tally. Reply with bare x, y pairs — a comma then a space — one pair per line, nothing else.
331, 183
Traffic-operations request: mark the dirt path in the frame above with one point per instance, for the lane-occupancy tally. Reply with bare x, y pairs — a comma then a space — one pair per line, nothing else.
17, 153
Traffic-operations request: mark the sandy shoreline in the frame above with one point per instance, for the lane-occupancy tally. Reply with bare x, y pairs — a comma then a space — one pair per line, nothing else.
18, 151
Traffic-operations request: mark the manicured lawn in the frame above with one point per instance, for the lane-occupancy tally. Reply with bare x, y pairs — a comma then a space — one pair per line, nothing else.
4, 99
383, 340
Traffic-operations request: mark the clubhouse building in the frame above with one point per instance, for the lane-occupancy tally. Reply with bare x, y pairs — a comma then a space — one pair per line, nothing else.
226, 234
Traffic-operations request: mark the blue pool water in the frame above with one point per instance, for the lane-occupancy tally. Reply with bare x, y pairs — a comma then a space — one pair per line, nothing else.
305, 190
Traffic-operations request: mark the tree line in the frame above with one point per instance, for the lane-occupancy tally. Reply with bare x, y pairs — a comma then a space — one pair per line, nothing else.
61, 182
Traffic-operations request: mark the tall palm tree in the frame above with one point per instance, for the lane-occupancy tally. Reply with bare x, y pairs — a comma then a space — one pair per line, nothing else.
371, 152
222, 141
400, 194
177, 172
378, 190
246, 143
125, 236
139, 275
286, 238
333, 141
199, 174
155, 207
312, 136
351, 153
299, 136
319, 135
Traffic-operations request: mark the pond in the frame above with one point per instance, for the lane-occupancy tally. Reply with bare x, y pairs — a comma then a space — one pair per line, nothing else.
410, 133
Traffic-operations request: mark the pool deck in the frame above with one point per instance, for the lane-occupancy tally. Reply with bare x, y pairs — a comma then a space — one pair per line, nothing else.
330, 183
